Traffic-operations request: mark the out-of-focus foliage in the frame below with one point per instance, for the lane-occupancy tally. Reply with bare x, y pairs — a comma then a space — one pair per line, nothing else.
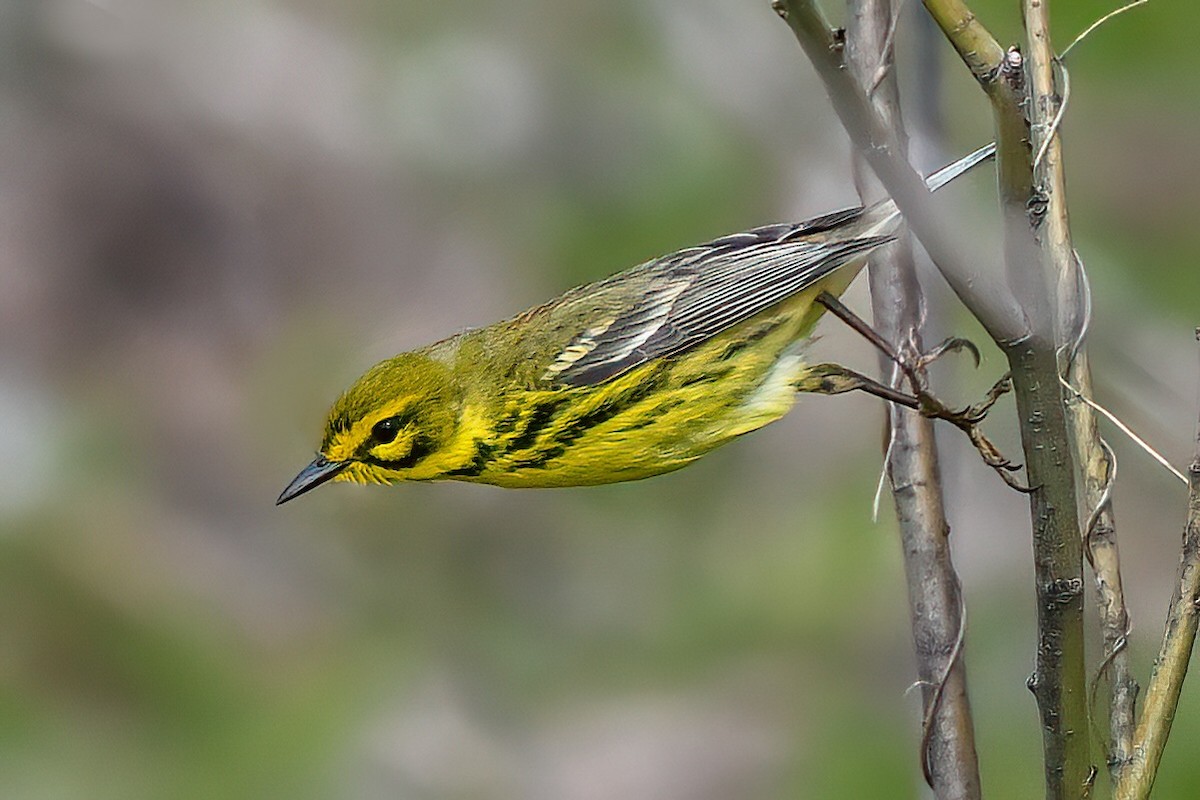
215, 215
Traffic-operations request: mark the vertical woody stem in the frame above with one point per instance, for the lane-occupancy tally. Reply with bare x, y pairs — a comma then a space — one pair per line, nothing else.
1039, 259
949, 761
1060, 680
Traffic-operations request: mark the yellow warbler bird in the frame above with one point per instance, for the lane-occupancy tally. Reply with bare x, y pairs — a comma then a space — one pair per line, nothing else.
632, 376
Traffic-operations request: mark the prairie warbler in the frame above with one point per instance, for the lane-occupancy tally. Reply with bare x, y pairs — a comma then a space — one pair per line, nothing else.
635, 375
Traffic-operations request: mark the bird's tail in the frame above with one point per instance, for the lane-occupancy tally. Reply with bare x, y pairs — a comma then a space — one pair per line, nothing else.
883, 218
939, 178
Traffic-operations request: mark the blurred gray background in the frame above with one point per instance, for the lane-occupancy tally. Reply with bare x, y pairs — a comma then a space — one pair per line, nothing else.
215, 215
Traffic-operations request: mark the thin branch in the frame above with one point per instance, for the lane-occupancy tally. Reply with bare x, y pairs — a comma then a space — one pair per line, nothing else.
886, 57
1166, 681
948, 757
1049, 209
978, 49
1099, 471
1097, 466
977, 285
1059, 681
1146, 447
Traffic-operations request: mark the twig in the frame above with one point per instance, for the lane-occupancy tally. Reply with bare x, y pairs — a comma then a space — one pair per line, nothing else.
887, 54
948, 758
1145, 446
1088, 30
978, 49
1048, 212
1166, 680
1059, 681
947, 730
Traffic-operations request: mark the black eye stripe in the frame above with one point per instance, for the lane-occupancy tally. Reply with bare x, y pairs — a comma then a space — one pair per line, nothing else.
421, 448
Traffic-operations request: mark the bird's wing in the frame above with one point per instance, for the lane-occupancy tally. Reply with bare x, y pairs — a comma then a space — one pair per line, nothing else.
702, 291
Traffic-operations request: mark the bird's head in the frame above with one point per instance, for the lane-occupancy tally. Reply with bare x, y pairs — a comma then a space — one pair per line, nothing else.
388, 427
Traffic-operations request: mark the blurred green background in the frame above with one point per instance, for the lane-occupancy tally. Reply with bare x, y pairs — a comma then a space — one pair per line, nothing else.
216, 214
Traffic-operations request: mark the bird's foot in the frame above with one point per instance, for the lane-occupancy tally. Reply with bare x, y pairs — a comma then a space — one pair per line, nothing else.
912, 366
968, 419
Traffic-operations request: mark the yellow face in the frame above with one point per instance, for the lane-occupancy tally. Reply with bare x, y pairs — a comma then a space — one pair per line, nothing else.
380, 447
389, 426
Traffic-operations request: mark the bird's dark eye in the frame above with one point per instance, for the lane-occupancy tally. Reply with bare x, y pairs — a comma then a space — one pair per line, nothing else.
385, 430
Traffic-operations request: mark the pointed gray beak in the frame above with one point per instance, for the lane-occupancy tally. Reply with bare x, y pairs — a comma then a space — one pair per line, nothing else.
312, 476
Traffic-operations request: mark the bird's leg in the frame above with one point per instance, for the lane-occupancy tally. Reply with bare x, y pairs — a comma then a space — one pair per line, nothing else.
864, 330
914, 370
834, 379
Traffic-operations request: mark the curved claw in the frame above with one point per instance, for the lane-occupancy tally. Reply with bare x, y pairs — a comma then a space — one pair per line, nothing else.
996, 460
967, 420
1013, 483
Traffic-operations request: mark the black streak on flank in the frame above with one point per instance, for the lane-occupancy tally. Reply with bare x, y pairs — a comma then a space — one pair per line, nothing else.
651, 417
711, 376
572, 429
758, 334
537, 419
539, 459
508, 423
611, 408
478, 463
